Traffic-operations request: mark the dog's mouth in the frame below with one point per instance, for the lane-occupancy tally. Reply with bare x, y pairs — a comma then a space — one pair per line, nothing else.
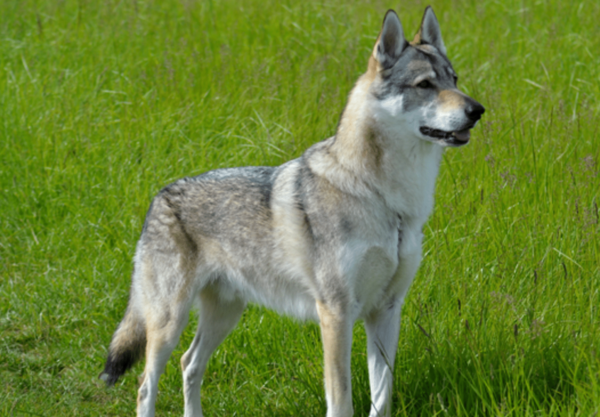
456, 138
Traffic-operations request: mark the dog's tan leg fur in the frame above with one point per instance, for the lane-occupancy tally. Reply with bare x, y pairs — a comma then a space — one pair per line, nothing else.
336, 332
161, 342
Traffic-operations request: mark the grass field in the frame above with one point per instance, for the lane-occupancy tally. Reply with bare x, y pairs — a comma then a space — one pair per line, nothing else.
104, 103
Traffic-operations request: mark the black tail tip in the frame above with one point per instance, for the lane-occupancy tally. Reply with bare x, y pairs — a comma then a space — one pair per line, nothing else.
109, 379
117, 365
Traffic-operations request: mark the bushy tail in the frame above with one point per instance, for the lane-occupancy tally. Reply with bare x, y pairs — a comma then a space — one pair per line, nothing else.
127, 346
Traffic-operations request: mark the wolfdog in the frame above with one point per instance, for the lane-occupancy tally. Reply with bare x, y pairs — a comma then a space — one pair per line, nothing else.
334, 236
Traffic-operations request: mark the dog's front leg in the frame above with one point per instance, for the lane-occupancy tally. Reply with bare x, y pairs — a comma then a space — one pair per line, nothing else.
382, 328
336, 332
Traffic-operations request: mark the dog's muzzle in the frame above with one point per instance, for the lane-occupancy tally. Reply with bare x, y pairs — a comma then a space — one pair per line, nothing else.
473, 111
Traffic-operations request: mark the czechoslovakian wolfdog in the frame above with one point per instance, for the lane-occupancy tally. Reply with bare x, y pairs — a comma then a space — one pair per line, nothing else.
333, 236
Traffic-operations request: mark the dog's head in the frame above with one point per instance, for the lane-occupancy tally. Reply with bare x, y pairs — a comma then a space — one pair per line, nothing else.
414, 84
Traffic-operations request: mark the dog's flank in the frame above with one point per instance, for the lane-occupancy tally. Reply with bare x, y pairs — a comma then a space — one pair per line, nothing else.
333, 236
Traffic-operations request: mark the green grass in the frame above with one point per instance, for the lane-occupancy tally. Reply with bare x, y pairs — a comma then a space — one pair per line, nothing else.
104, 103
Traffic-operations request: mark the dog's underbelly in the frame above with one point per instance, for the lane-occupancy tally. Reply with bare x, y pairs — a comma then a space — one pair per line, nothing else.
293, 292
286, 295
286, 299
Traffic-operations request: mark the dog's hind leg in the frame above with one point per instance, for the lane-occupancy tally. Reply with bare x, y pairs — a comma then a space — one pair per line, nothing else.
167, 295
164, 286
218, 316
162, 338
163, 332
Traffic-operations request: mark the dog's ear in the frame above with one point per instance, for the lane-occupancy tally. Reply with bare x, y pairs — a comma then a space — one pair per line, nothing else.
430, 32
391, 41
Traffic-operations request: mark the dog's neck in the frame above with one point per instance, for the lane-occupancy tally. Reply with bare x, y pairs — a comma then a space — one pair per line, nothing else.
395, 164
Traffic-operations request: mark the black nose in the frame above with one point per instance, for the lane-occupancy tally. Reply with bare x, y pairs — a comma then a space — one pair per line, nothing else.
474, 111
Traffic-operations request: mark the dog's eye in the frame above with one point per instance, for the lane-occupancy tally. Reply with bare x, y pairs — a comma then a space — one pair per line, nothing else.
425, 84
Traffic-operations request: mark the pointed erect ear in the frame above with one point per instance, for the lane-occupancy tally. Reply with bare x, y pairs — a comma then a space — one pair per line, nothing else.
391, 41
430, 31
